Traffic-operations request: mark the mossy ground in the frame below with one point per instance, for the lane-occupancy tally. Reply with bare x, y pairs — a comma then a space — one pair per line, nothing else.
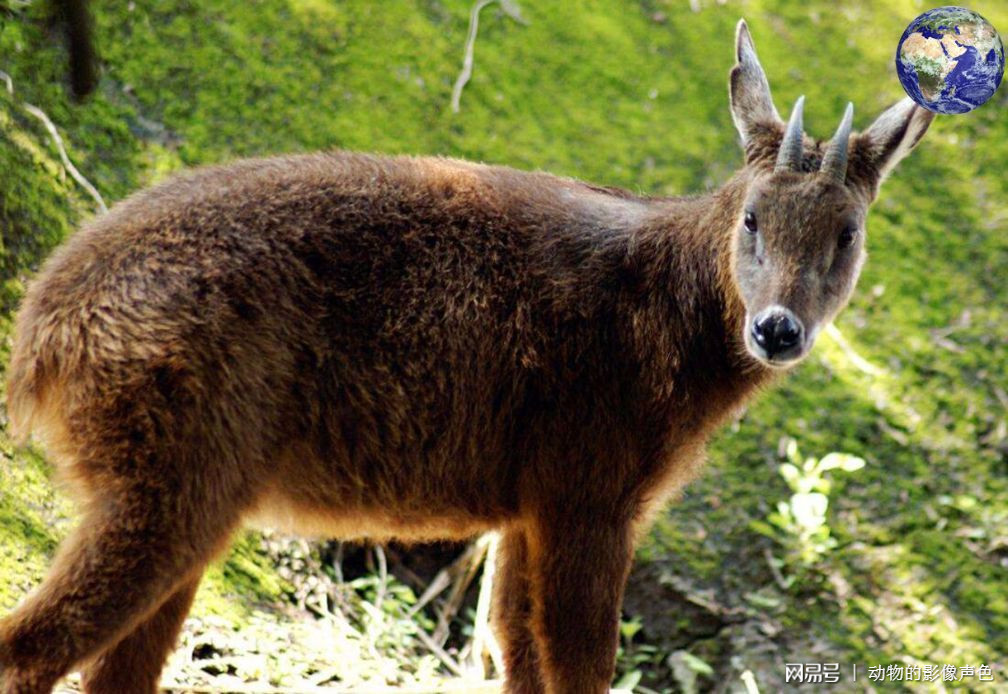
630, 94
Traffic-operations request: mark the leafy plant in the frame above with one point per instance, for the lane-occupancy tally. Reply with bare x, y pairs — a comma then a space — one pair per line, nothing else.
799, 524
648, 669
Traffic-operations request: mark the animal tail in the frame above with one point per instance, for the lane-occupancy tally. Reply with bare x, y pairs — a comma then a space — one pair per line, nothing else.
45, 350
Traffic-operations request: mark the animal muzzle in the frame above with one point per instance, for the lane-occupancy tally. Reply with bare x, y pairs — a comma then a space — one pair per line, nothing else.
777, 335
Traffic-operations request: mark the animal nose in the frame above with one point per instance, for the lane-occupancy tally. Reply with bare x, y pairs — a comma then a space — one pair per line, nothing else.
777, 330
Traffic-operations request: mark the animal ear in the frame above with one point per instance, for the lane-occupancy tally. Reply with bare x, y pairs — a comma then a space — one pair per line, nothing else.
889, 139
749, 91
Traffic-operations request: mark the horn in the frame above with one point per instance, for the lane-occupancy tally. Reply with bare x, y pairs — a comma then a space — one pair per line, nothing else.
834, 163
790, 153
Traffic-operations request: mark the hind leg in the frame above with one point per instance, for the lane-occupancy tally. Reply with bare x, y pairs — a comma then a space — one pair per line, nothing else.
513, 615
134, 664
136, 546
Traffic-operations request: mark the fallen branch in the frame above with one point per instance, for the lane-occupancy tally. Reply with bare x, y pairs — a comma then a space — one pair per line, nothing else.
382, 578
434, 589
464, 569
54, 134
439, 652
512, 10
67, 164
483, 639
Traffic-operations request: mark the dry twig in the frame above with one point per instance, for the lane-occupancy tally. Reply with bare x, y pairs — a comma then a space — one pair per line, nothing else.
54, 134
439, 652
512, 10
464, 569
437, 586
382, 577
483, 639
67, 164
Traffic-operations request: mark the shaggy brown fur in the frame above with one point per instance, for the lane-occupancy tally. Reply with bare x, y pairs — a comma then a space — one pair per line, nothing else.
357, 345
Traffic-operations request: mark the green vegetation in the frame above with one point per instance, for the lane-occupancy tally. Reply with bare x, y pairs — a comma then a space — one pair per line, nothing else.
630, 94
799, 523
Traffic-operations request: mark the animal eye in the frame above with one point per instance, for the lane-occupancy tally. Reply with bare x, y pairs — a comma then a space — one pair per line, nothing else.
846, 238
750, 222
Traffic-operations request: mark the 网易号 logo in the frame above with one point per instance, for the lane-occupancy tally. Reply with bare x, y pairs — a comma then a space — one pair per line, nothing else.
811, 673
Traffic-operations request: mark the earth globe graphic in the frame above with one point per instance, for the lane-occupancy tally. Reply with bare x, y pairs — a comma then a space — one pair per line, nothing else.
950, 60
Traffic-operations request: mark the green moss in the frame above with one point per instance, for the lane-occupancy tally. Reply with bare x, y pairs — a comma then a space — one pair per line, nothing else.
234, 586
33, 517
247, 571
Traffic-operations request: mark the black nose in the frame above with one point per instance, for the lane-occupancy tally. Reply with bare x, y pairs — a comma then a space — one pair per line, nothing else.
777, 331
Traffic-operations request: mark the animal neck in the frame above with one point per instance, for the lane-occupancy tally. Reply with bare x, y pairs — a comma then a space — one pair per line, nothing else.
691, 301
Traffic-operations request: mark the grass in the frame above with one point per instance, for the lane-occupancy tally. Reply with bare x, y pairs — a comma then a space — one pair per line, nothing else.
630, 94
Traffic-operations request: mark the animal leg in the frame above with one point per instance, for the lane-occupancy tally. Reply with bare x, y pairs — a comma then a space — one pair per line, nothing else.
131, 552
579, 568
134, 664
513, 615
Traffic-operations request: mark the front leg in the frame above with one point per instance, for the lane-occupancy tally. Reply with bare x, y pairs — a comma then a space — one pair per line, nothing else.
579, 561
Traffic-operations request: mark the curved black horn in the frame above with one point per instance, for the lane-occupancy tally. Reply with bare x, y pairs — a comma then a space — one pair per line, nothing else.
834, 163
790, 153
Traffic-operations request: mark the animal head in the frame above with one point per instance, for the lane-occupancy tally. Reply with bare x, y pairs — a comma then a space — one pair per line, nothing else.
800, 239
